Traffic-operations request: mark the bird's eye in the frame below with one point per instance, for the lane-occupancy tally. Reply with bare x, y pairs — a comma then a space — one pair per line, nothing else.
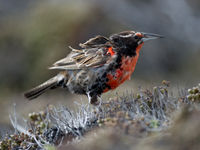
136, 37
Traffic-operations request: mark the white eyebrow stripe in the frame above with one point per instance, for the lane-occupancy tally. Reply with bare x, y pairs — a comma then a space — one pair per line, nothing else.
126, 36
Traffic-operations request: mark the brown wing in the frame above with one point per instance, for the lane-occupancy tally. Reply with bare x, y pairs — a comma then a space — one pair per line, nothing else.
93, 55
94, 42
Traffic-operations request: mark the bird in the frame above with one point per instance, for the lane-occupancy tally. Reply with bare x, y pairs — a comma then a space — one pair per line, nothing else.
100, 64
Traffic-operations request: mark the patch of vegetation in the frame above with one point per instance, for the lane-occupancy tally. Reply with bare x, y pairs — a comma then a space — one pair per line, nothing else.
194, 94
142, 113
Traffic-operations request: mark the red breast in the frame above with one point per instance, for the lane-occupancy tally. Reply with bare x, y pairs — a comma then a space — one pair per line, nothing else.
124, 72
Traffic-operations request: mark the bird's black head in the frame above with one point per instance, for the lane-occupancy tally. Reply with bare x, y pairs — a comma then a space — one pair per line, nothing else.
128, 41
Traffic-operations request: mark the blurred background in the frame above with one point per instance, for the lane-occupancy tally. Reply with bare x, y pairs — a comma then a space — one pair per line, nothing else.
34, 34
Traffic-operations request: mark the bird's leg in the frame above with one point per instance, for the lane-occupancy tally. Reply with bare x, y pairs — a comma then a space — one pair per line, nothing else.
89, 97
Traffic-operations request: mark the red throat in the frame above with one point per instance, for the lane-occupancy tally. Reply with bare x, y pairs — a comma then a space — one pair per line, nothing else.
124, 72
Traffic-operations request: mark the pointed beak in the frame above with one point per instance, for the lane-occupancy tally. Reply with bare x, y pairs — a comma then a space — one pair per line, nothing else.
150, 36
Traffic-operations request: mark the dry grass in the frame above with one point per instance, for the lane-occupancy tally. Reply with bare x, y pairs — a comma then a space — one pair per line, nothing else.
148, 117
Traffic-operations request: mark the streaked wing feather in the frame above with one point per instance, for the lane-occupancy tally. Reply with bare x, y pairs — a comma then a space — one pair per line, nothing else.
94, 42
64, 61
66, 67
68, 59
93, 55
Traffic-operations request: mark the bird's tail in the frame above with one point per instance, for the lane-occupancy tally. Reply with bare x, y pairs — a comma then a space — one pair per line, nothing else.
42, 88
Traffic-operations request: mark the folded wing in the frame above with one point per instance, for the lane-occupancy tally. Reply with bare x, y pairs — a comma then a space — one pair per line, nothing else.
93, 54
